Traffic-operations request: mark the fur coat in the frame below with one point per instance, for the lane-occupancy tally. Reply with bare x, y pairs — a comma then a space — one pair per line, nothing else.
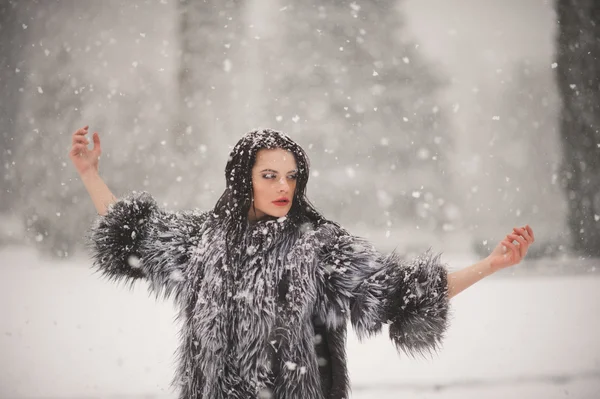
269, 320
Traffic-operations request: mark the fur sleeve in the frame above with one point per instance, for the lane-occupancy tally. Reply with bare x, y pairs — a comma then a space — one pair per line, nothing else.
376, 289
136, 239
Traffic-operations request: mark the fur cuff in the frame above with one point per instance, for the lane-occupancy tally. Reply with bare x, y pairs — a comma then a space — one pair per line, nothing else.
418, 307
115, 238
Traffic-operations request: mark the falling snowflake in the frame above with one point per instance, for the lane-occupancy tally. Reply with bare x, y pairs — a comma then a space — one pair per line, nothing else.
176, 275
291, 365
227, 65
133, 261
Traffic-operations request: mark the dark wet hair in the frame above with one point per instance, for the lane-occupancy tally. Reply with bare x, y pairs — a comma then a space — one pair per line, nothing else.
235, 202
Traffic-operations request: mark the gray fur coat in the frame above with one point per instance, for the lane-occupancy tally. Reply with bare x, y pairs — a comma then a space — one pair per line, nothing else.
269, 320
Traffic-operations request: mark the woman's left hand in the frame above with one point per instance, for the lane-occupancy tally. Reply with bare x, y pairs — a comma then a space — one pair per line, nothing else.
507, 252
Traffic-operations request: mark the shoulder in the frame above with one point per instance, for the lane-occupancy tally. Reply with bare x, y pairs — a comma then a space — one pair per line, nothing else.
143, 204
329, 238
323, 231
191, 221
311, 237
144, 208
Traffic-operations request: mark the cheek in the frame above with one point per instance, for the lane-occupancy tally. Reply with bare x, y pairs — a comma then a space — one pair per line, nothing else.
259, 191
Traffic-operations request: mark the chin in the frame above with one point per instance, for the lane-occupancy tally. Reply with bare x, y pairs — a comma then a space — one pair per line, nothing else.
281, 212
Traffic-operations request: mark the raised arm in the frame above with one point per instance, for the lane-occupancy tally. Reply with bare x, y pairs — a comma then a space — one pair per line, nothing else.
132, 237
86, 164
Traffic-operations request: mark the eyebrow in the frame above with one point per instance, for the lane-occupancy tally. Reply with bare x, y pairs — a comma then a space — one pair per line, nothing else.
274, 171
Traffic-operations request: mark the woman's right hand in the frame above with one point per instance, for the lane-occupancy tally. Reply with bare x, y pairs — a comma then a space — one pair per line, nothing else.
83, 158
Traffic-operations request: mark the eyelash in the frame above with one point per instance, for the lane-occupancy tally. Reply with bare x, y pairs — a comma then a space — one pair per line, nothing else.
271, 175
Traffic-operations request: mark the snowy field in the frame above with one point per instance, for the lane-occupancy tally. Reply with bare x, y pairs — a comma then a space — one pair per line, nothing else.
66, 333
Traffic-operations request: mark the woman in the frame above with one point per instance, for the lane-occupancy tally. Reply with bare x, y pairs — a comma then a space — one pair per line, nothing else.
264, 283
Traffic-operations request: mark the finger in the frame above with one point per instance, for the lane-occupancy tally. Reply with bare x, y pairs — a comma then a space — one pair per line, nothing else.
515, 252
81, 131
518, 238
506, 247
522, 232
530, 231
96, 139
509, 245
78, 149
80, 140
522, 243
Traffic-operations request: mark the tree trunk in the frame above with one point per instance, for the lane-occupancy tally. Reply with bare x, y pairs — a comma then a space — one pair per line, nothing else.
12, 75
578, 78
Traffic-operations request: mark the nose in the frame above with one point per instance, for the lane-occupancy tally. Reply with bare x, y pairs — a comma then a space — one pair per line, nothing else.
284, 187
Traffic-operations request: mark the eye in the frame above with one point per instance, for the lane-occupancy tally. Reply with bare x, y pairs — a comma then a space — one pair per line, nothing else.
293, 177
269, 176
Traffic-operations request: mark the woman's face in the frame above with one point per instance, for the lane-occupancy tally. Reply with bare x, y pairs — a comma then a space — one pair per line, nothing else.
273, 182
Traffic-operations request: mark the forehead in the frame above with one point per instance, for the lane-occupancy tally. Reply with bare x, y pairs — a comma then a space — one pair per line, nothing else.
275, 157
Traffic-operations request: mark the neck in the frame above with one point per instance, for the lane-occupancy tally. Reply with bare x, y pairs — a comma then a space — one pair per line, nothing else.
255, 215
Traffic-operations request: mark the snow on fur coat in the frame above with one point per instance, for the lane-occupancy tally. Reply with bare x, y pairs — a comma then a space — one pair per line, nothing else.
271, 321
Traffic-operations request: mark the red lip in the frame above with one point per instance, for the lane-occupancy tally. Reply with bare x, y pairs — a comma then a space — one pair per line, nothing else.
281, 201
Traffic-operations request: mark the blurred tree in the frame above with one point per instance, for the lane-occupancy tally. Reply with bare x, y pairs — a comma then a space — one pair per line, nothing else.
40, 176
210, 35
68, 85
578, 78
13, 37
348, 84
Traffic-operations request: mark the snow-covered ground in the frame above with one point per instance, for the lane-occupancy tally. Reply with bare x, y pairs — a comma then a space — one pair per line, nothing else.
66, 333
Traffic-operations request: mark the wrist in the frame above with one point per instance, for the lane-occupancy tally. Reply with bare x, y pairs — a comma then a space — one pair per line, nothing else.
88, 174
488, 267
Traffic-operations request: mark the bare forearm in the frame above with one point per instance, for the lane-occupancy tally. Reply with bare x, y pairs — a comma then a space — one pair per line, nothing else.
101, 195
462, 279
